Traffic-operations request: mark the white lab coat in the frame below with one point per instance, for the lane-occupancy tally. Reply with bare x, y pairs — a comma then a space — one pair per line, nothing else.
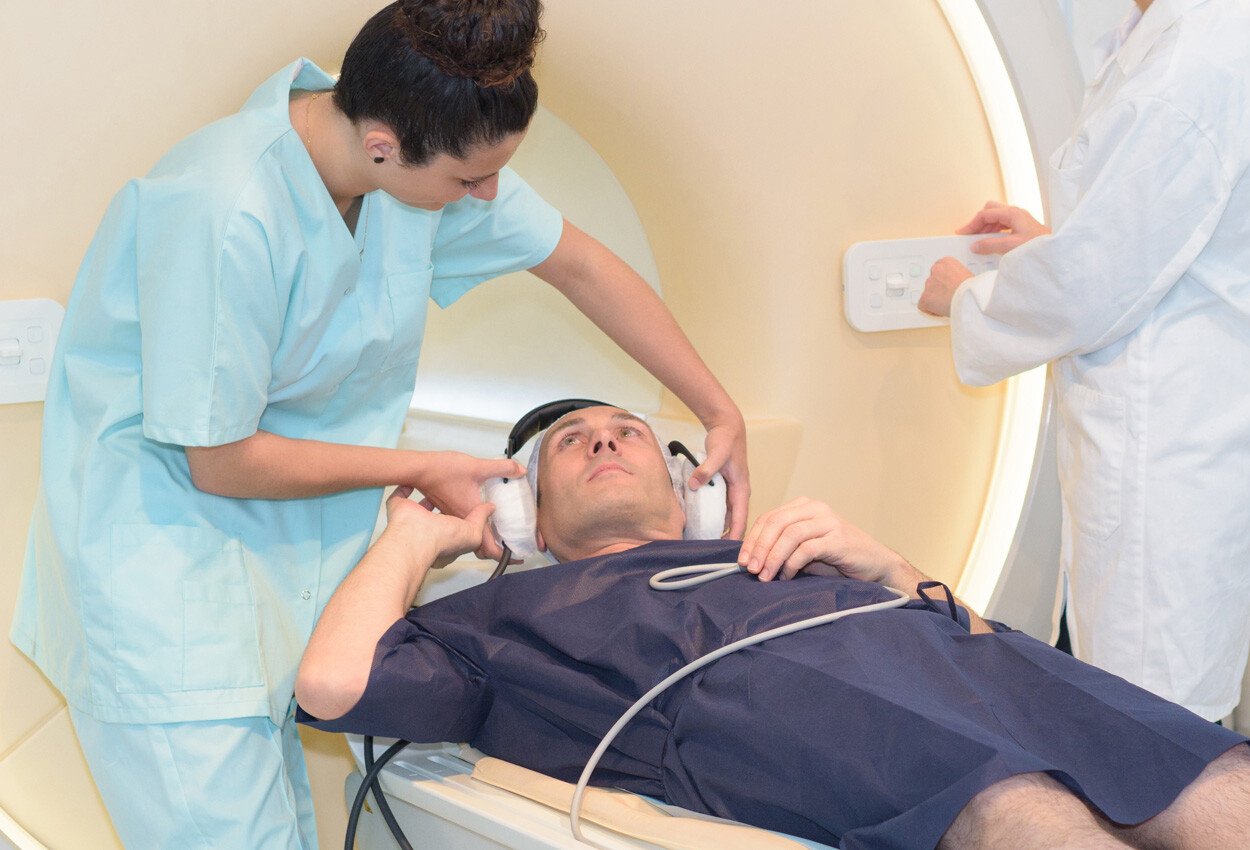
1141, 302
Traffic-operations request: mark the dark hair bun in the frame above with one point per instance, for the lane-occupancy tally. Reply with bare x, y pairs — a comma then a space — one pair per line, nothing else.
491, 42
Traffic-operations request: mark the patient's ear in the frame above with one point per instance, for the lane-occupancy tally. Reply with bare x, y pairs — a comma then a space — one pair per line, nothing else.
542, 544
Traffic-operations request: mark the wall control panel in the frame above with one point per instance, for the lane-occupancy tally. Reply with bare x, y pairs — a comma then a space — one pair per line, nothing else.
28, 331
882, 280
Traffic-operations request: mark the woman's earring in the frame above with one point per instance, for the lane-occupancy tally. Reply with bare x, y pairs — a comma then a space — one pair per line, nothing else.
379, 159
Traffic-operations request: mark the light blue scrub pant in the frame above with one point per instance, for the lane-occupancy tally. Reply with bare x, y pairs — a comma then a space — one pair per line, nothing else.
220, 784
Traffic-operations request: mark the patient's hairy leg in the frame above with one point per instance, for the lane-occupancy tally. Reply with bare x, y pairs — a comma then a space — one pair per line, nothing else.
1027, 812
1212, 813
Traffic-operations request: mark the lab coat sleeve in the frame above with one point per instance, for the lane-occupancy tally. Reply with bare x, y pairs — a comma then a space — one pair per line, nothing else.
419, 690
479, 240
1152, 188
210, 316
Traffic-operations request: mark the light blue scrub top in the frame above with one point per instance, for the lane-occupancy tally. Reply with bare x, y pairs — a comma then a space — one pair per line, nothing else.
223, 294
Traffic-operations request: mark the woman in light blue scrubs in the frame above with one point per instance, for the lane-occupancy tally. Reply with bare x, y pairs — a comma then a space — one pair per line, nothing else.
233, 372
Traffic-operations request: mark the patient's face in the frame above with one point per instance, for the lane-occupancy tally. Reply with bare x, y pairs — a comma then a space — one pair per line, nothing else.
602, 474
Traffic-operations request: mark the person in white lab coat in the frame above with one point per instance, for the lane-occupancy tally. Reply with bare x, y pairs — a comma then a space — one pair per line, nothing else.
1140, 300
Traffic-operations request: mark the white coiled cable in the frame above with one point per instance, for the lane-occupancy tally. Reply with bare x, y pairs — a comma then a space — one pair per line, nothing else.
700, 574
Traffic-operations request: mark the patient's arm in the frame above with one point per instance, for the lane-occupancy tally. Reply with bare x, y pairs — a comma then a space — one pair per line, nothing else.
805, 532
380, 590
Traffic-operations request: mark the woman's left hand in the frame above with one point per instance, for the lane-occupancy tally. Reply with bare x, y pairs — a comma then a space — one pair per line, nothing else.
726, 447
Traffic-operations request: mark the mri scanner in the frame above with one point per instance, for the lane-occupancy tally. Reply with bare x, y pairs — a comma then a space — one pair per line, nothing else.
471, 388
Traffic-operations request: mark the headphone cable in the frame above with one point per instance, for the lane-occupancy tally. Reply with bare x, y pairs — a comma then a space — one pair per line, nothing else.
503, 563
372, 769
665, 580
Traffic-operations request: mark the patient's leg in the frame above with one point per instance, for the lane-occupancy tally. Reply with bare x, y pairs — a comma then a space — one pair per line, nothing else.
1027, 812
1212, 813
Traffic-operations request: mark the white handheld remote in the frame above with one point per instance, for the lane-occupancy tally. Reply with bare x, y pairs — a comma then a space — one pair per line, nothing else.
882, 280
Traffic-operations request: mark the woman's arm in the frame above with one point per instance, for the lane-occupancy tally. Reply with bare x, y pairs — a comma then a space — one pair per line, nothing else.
622, 305
267, 466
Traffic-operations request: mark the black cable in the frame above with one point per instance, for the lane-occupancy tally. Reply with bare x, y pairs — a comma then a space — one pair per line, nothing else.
371, 776
503, 563
374, 768
380, 798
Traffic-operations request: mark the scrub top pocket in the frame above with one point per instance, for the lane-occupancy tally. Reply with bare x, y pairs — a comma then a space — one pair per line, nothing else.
183, 613
407, 295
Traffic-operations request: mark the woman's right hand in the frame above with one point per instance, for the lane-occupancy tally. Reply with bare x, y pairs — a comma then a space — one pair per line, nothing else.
452, 483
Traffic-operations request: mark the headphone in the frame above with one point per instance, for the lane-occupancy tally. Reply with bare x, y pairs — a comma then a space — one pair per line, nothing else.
516, 514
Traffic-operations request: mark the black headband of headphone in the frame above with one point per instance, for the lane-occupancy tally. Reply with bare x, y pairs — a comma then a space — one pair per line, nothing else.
542, 417
545, 415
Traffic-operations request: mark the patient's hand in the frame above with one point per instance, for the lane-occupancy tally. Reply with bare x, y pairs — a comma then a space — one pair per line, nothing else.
452, 482
434, 538
789, 538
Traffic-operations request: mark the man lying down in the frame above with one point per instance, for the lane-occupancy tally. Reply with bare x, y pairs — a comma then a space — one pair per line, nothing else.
893, 729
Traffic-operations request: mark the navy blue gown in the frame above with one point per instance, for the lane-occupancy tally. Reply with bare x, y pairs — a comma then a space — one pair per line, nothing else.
870, 732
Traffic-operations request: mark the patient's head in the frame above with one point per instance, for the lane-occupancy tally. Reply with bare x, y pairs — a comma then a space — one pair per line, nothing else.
603, 485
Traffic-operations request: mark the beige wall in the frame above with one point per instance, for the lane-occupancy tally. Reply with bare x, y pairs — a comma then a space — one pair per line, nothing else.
755, 149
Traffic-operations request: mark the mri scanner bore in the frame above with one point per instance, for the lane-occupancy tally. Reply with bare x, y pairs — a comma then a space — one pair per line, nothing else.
915, 725
234, 367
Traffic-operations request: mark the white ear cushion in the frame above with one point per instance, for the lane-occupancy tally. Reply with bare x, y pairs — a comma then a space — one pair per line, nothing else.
679, 470
704, 508
515, 518
531, 463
